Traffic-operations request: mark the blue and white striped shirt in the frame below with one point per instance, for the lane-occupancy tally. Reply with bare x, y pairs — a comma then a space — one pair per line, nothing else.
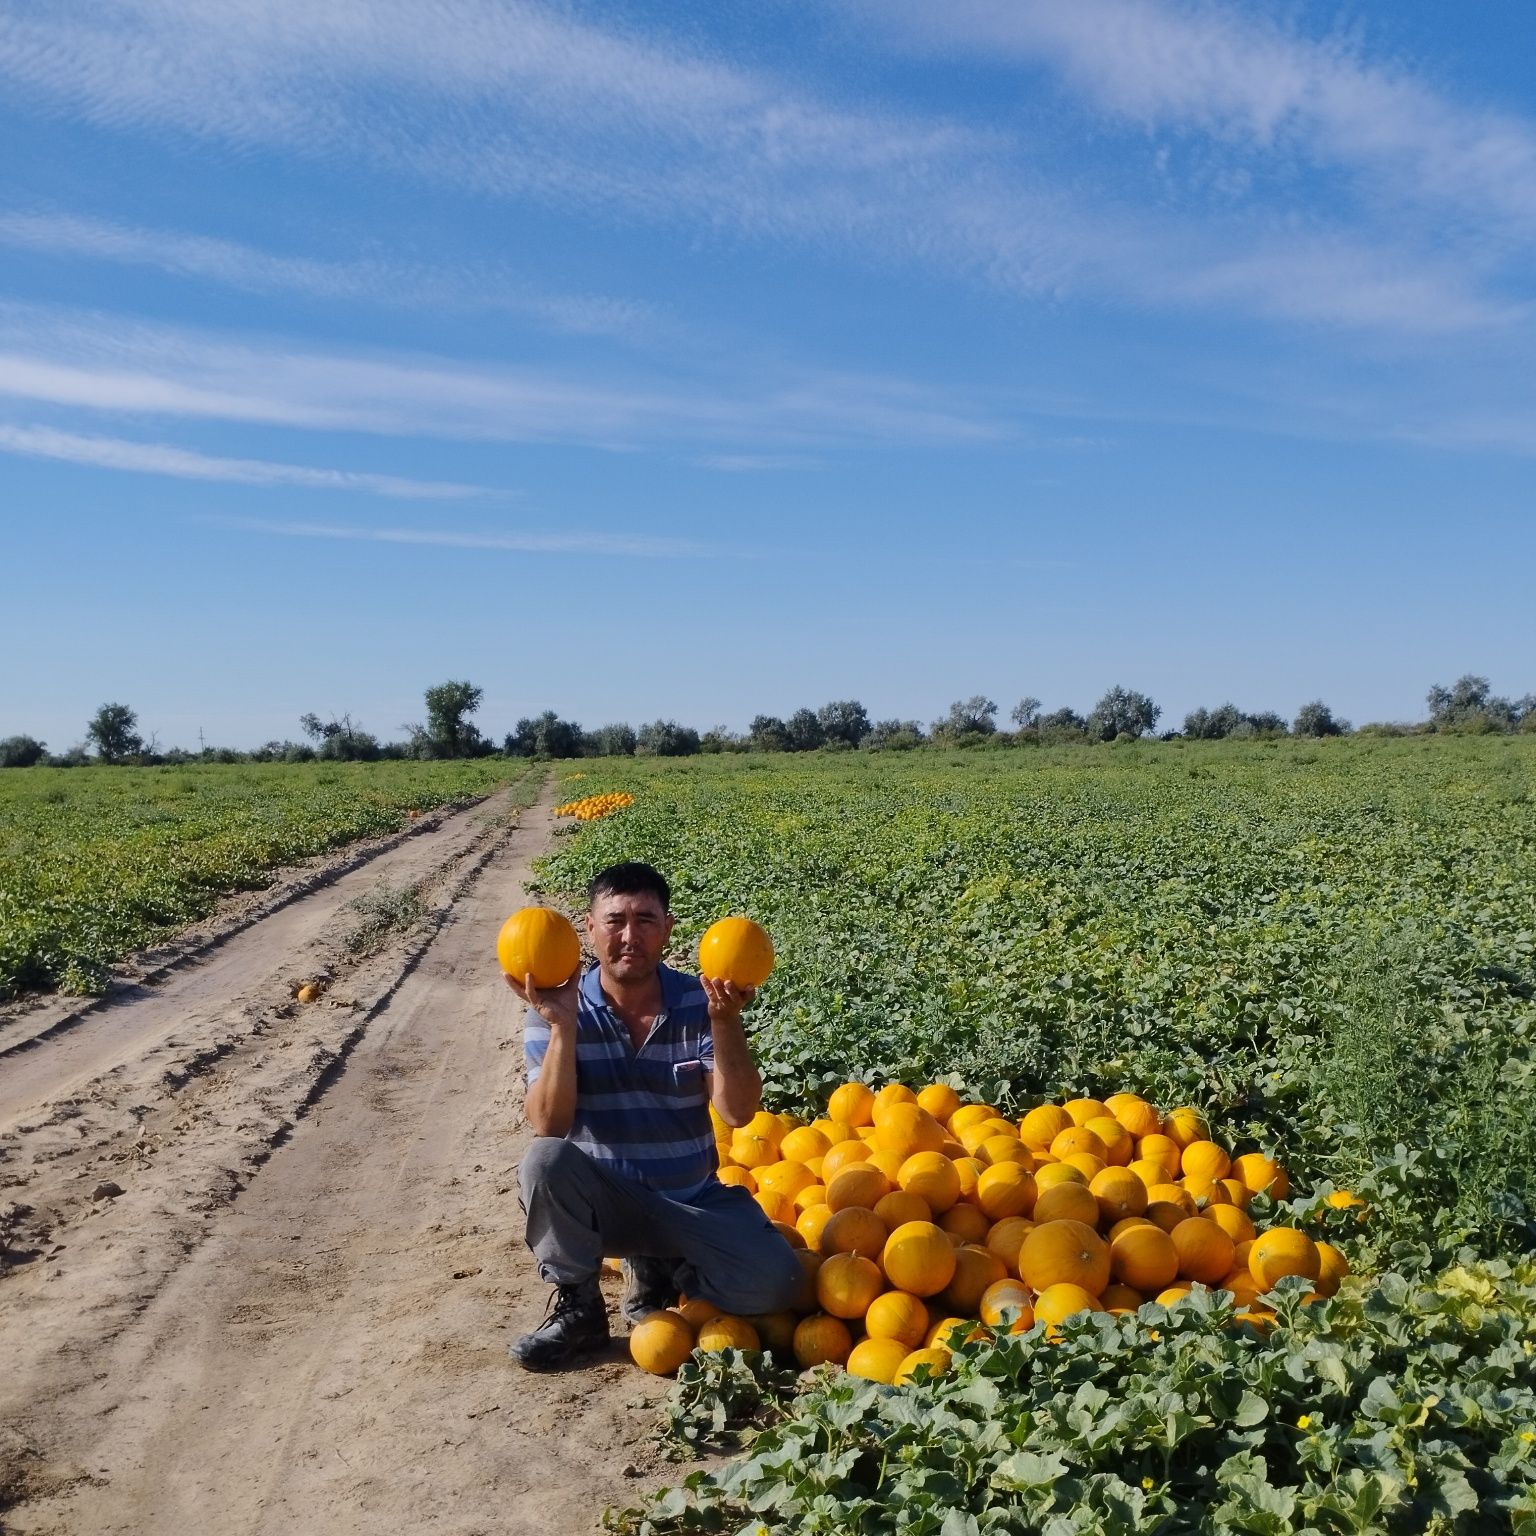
646, 1111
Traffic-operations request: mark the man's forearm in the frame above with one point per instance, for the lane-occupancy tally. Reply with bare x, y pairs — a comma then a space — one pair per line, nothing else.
738, 1087
551, 1102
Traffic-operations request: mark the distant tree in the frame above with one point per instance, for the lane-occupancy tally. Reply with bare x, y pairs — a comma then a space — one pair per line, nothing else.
21, 751
1212, 724
449, 730
767, 733
804, 731
894, 736
340, 740
545, 735
1450, 706
281, 752
666, 738
1229, 720
112, 731
721, 738
1316, 719
1026, 713
76, 757
1469, 705
616, 740
1122, 712
844, 720
975, 716
1061, 722
1225, 719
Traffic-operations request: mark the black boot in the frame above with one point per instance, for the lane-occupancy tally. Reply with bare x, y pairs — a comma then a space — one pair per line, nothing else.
649, 1286
576, 1324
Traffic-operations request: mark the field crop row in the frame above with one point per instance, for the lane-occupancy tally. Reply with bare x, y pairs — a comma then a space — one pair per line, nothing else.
96, 862
1329, 948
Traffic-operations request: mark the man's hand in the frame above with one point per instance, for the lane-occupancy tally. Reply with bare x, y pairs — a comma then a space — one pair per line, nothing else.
555, 1005
726, 1000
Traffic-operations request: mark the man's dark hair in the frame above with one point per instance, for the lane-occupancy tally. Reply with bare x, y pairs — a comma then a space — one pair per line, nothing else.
631, 878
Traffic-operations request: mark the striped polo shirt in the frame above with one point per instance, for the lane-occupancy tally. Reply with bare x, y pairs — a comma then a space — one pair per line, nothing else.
646, 1112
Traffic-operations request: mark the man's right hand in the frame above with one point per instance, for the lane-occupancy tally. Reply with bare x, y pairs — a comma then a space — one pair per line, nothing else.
555, 1005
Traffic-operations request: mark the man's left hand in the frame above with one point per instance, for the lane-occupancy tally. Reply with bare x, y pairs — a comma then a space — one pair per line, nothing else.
726, 1000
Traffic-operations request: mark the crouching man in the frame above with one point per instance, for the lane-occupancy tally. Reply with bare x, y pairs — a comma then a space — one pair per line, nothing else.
623, 1063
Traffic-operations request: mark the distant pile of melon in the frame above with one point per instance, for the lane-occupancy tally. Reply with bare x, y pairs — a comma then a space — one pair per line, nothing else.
918, 1217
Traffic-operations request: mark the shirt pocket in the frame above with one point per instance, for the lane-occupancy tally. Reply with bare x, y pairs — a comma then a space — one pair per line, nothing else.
688, 1082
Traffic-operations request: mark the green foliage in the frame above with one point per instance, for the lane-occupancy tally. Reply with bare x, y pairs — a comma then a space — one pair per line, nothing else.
21, 751
767, 733
382, 912
1388, 1041
544, 736
450, 732
1330, 948
894, 736
339, 740
844, 720
1402, 1408
1122, 712
666, 738
1316, 719
722, 1397
975, 716
616, 740
95, 864
113, 732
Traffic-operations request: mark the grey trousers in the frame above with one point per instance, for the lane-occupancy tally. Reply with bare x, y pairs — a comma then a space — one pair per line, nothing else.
580, 1210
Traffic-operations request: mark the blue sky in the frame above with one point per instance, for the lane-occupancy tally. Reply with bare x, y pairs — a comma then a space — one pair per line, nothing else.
643, 361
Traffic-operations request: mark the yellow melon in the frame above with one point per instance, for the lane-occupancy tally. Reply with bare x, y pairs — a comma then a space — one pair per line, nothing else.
660, 1343
930, 1362
876, 1359
819, 1339
539, 942
846, 1283
736, 950
919, 1258
853, 1104
898, 1315
726, 1332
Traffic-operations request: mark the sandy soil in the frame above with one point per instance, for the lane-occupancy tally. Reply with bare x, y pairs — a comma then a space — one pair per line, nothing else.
292, 1313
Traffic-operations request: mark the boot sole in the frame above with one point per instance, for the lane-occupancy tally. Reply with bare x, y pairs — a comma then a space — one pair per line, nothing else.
572, 1354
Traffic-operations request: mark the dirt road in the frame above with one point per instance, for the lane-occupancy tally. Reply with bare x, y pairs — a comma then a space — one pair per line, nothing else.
293, 1314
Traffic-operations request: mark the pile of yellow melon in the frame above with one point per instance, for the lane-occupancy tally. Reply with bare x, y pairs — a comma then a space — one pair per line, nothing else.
595, 807
915, 1215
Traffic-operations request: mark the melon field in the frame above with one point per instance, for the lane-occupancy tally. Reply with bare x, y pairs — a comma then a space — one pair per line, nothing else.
1327, 952
1160, 1116
96, 862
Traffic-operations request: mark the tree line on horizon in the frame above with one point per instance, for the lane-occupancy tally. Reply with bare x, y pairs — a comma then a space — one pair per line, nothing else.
112, 736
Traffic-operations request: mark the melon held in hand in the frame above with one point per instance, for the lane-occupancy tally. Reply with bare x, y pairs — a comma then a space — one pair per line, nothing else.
735, 949
540, 942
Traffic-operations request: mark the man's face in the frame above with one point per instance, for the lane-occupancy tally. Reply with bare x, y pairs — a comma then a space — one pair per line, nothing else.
629, 935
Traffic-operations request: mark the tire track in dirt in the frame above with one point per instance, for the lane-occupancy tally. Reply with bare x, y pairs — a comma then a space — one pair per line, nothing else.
332, 1357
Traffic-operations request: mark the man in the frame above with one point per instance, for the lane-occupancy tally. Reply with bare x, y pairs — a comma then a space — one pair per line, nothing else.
623, 1063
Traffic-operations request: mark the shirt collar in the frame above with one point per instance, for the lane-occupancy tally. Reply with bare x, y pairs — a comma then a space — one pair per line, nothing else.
672, 985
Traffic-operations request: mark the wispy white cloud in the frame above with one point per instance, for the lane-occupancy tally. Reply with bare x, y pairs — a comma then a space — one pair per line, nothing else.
184, 464
526, 542
524, 100
107, 363
754, 463
1249, 76
1323, 280
377, 280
